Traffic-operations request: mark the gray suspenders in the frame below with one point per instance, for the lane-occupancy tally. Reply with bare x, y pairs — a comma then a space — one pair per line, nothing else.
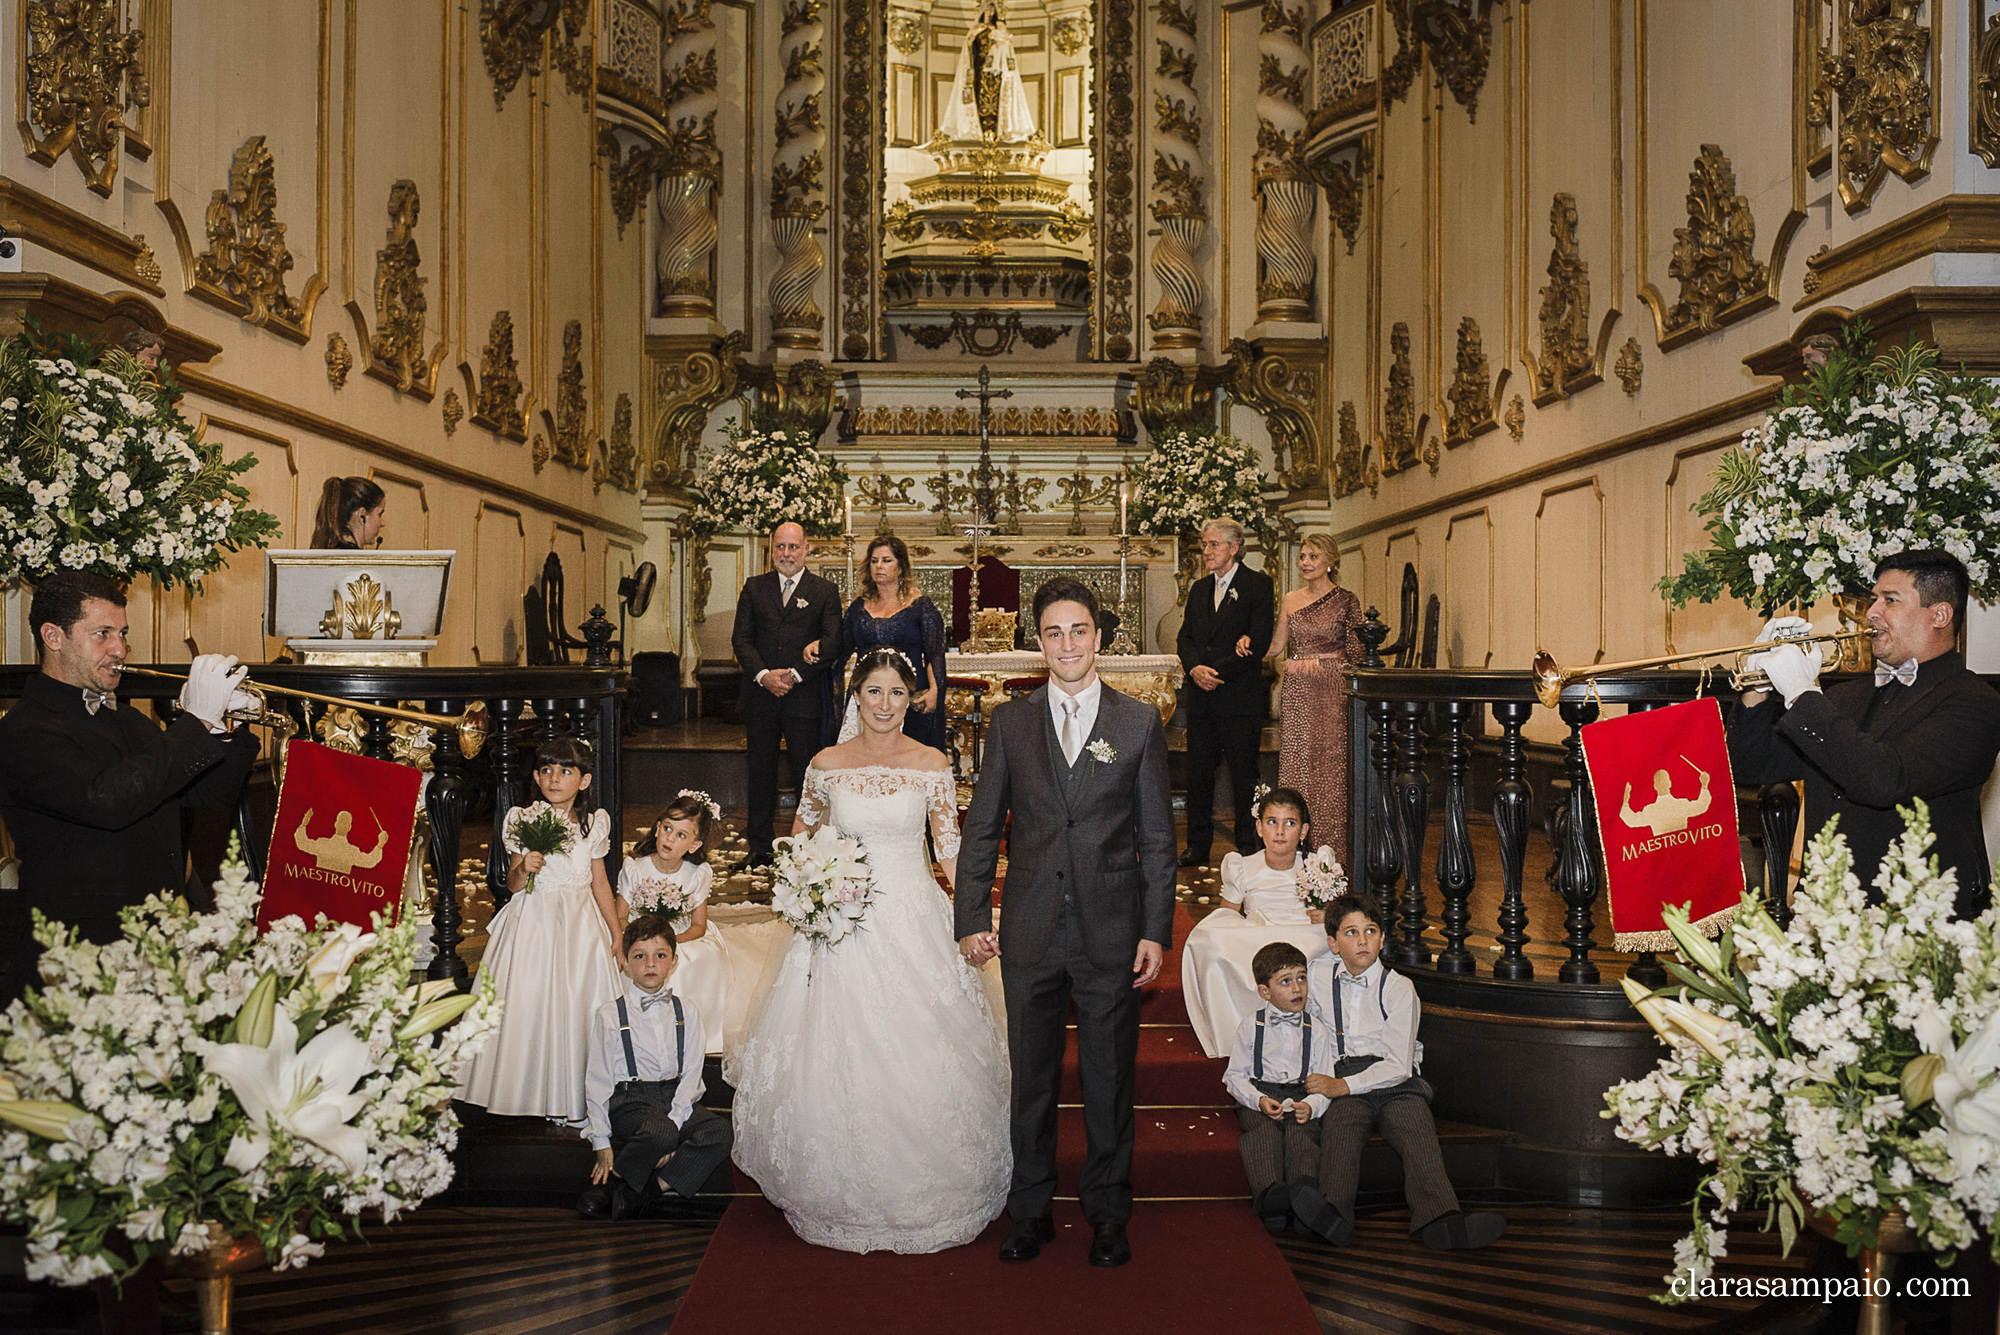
680, 1038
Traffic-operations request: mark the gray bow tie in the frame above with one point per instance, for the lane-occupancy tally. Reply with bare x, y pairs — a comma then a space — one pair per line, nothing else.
1278, 1017
659, 998
1905, 673
96, 700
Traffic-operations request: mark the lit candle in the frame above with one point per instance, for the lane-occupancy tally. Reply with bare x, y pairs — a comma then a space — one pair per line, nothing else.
850, 514
1124, 494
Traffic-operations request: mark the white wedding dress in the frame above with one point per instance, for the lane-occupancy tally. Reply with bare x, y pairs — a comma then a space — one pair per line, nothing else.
872, 1086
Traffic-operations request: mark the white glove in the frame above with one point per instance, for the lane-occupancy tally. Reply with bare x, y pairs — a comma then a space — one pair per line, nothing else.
212, 680
241, 701
1774, 629
1794, 669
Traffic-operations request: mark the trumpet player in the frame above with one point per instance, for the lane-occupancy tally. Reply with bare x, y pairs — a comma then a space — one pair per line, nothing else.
1925, 726
92, 793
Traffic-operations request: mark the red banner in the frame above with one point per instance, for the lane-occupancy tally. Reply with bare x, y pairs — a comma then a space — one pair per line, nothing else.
340, 844
1666, 817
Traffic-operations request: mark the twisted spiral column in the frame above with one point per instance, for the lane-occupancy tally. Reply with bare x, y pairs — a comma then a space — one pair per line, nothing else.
688, 233
690, 166
1286, 197
1180, 175
798, 195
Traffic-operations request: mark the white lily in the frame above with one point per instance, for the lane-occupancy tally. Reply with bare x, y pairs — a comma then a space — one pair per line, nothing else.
1967, 1095
327, 969
304, 1092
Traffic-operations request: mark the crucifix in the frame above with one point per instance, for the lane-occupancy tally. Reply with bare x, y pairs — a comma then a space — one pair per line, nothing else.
985, 494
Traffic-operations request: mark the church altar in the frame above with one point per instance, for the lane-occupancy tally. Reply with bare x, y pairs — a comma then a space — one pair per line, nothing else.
1149, 677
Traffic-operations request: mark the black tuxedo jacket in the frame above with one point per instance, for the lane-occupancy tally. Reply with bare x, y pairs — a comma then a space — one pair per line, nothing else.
1099, 833
1935, 739
768, 636
94, 801
1209, 635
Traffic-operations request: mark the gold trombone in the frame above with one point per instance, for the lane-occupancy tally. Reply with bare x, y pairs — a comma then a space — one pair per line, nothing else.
470, 725
1551, 679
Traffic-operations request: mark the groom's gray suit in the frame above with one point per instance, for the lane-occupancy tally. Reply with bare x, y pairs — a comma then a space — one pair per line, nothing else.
1090, 874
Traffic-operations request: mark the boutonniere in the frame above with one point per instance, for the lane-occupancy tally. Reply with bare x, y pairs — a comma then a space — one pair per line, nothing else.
1102, 751
799, 601
1229, 597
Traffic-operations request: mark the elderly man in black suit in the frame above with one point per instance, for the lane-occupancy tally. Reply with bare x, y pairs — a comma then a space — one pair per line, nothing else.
1225, 703
1926, 726
787, 629
92, 793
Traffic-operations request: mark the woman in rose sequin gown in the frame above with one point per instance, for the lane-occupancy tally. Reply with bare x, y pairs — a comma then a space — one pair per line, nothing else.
1315, 645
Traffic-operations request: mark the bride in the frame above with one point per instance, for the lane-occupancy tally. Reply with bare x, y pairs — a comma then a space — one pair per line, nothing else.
871, 1086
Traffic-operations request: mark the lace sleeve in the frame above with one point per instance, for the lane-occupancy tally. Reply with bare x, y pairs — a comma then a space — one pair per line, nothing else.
813, 797
933, 625
944, 812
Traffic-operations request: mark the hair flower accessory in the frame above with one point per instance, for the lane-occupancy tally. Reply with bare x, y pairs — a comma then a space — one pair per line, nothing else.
1257, 796
1102, 750
714, 807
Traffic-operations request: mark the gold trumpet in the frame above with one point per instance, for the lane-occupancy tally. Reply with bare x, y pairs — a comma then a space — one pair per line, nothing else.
470, 725
1551, 679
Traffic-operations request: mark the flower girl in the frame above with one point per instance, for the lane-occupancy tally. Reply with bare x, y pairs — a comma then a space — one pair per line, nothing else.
1260, 904
551, 947
668, 874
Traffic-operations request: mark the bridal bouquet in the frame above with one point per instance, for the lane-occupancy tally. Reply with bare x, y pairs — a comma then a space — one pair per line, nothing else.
1321, 879
195, 1073
103, 474
1873, 455
540, 828
669, 899
1846, 1066
821, 884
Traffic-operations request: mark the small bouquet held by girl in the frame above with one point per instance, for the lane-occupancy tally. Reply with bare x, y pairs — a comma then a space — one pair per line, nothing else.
667, 871
540, 828
822, 885
1321, 878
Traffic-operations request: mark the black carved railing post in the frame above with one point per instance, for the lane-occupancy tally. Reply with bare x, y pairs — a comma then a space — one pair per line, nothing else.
1385, 837
1413, 811
508, 772
1646, 964
597, 633
1455, 868
445, 803
376, 744
1513, 800
1577, 877
1778, 810
1361, 776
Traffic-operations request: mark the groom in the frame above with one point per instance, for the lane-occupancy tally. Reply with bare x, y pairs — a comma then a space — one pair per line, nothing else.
1082, 770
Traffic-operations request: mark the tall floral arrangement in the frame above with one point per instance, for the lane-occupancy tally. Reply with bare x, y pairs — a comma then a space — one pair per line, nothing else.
99, 471
196, 1073
1872, 455
1192, 476
761, 477
1848, 1064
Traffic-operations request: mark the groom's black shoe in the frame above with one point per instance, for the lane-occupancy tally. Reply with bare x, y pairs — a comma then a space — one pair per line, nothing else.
1025, 1238
1109, 1247
1193, 859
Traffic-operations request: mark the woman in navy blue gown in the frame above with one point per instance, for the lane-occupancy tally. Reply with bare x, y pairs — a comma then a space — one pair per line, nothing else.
892, 612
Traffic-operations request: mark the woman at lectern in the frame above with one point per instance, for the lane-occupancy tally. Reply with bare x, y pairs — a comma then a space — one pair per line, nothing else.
890, 611
350, 514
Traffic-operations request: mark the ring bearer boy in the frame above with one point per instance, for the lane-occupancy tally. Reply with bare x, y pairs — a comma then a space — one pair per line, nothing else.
643, 1084
1275, 1049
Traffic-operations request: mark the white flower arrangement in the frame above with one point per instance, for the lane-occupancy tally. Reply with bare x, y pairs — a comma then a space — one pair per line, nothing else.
821, 884
1102, 751
1193, 476
1873, 456
195, 1072
759, 479
1844, 1065
1321, 879
100, 473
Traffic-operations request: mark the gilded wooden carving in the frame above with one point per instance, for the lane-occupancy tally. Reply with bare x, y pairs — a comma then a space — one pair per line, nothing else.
1565, 311
1287, 398
684, 388
798, 397
1471, 395
396, 348
82, 70
629, 173
1458, 35
497, 405
1984, 80
1114, 93
572, 434
859, 240
797, 179
1352, 467
513, 32
339, 361
539, 452
1629, 368
243, 270
622, 459
1170, 396
1343, 183
1517, 417
1399, 405
1286, 259
701, 580
1180, 178
454, 412
1715, 257
1884, 97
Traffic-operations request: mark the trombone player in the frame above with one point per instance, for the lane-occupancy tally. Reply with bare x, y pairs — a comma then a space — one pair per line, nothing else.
1926, 726
92, 793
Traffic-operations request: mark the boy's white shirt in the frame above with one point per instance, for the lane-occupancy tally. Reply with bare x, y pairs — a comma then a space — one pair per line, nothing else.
1281, 1057
652, 1049
1394, 1040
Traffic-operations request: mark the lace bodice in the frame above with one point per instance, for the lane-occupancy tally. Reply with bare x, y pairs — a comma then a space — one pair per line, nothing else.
884, 807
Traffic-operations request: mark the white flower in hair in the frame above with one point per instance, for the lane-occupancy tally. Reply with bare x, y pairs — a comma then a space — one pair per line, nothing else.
714, 807
1257, 796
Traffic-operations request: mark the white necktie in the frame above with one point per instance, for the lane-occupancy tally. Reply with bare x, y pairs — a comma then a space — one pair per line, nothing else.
1903, 674
1069, 729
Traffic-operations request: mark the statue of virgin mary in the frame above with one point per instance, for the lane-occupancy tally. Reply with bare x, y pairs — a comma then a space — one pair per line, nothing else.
986, 92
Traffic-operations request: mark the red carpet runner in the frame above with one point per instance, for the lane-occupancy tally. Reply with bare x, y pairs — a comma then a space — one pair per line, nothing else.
1201, 1261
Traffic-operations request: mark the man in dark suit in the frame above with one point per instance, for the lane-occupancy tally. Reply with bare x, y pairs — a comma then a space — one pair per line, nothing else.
787, 631
1926, 726
1225, 698
1082, 772
91, 792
